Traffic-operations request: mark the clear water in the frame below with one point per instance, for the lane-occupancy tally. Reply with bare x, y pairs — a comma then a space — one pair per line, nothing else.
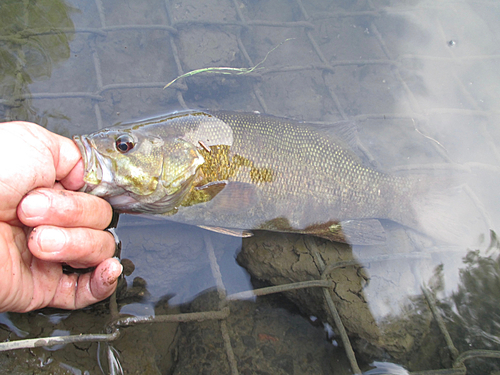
418, 78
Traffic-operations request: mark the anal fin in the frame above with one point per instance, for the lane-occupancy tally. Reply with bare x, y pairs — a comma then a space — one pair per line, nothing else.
228, 231
353, 232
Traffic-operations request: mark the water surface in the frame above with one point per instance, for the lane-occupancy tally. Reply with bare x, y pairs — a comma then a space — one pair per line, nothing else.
418, 78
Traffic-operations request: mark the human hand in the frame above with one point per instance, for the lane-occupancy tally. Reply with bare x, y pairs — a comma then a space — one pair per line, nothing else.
44, 223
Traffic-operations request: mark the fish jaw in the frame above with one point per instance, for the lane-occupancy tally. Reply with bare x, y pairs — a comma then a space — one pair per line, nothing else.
97, 176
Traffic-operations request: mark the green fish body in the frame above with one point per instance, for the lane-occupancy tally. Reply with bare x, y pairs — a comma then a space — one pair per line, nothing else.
245, 171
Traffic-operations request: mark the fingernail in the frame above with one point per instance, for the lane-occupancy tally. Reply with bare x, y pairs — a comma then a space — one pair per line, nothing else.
35, 205
116, 270
51, 240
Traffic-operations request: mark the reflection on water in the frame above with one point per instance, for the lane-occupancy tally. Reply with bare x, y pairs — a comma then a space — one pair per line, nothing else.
473, 310
34, 38
388, 65
475, 303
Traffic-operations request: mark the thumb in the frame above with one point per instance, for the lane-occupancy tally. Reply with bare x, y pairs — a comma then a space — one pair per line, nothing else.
68, 163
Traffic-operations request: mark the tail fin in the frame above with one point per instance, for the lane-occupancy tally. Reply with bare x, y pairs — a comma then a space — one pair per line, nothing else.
440, 209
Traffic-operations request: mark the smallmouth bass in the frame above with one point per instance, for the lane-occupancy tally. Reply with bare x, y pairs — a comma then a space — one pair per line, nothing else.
248, 171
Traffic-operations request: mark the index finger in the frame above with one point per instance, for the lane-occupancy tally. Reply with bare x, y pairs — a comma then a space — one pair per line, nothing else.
64, 208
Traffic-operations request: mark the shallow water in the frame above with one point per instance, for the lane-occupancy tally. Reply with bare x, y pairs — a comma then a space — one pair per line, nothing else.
419, 80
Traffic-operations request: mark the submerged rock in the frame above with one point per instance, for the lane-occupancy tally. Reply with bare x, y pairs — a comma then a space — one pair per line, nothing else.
263, 338
380, 302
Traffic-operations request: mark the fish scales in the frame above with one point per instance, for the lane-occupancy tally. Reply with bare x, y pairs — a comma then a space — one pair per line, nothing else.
290, 163
243, 171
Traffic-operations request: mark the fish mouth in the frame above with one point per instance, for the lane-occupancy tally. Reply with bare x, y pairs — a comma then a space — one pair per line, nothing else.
93, 163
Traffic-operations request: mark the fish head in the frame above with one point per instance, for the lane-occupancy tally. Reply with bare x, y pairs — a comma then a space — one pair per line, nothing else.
137, 171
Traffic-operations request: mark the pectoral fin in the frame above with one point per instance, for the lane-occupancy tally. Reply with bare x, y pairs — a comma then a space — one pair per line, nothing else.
226, 196
212, 189
235, 198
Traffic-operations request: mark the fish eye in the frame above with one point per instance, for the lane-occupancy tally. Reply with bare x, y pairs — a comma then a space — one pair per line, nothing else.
124, 143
